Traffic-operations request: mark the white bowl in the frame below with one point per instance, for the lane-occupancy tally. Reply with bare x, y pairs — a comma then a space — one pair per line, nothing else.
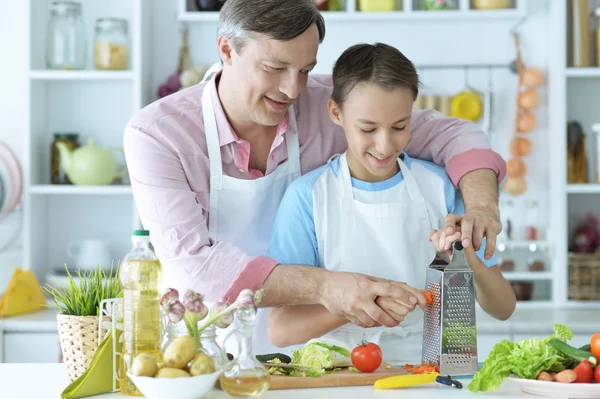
180, 388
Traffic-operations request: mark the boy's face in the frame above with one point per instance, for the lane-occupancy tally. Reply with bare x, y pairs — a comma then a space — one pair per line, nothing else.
377, 126
270, 74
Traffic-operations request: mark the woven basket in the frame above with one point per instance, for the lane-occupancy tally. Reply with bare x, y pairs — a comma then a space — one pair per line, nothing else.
584, 276
78, 341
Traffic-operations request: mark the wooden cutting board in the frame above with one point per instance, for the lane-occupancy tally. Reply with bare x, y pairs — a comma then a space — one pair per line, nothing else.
342, 378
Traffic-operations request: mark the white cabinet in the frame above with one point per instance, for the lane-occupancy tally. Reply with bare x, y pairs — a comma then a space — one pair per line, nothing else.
31, 347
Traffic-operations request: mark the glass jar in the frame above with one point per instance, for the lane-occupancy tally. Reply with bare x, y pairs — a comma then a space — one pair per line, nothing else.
208, 341
65, 38
436, 5
531, 220
58, 175
111, 48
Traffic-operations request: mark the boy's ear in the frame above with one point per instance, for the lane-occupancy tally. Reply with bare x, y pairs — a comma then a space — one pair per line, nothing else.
225, 48
335, 112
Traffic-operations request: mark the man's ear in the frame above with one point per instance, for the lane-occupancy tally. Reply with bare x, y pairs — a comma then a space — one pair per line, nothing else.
335, 112
225, 48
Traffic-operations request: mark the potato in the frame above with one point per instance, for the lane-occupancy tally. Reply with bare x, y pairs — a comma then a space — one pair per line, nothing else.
544, 376
180, 352
202, 364
566, 376
169, 372
144, 365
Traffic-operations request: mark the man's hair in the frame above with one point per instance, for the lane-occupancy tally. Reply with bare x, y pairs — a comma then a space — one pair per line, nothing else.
380, 64
284, 20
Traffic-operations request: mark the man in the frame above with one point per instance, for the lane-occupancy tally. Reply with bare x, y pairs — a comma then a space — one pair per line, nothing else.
209, 166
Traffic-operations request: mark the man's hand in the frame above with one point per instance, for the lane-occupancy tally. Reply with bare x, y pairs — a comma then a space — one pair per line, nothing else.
474, 225
353, 296
482, 217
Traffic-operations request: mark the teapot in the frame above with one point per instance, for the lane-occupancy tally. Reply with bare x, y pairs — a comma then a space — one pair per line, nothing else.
90, 165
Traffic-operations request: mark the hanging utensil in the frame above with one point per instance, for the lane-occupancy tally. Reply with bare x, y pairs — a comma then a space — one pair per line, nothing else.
467, 104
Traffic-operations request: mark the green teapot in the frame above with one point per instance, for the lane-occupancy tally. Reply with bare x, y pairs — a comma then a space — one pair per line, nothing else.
90, 165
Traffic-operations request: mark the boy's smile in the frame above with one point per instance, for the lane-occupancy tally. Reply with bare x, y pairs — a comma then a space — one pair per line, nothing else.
377, 126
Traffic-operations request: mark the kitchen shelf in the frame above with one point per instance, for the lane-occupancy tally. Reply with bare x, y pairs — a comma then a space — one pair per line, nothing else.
528, 276
508, 245
346, 16
583, 188
80, 75
59, 189
574, 304
534, 304
583, 72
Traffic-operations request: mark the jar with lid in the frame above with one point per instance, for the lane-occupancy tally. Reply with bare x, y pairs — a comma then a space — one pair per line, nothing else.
111, 48
58, 175
65, 38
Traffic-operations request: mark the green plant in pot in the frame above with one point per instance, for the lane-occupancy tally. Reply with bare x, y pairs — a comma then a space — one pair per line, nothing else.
78, 317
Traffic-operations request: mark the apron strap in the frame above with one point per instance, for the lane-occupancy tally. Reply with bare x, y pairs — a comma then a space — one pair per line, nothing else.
415, 193
293, 145
214, 69
214, 153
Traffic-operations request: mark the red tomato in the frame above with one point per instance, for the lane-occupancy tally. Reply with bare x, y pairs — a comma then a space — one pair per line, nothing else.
595, 345
597, 374
367, 357
584, 371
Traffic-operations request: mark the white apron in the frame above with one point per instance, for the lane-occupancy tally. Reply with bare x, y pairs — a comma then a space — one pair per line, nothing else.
386, 240
242, 212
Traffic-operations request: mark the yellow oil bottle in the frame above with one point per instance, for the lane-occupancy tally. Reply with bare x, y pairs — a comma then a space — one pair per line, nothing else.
140, 273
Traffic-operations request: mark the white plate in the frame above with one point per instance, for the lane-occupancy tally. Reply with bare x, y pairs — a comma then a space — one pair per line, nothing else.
555, 389
13, 182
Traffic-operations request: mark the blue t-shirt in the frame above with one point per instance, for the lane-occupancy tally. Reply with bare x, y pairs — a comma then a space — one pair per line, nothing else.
294, 239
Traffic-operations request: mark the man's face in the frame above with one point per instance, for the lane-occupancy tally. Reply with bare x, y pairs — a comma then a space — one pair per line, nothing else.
270, 74
377, 127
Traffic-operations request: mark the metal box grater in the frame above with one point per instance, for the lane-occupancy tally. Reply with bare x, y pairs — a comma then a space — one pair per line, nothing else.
449, 329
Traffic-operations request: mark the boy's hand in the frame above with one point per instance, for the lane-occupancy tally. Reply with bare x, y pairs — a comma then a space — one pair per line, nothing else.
443, 238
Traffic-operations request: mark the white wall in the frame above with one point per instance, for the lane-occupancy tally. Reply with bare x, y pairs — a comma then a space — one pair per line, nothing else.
423, 42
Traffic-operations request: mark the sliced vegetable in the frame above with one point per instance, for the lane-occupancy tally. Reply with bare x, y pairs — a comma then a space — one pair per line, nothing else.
421, 368
322, 353
585, 372
595, 345
572, 352
367, 357
269, 357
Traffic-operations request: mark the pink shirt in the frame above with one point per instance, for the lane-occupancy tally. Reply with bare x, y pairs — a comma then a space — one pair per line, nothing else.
167, 157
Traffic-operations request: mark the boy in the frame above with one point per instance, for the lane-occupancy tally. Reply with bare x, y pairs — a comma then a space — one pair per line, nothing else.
373, 210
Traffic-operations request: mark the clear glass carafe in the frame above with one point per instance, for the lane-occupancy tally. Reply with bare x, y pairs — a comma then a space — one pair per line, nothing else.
244, 376
65, 38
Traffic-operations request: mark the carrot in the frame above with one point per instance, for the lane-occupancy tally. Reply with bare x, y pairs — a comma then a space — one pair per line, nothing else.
428, 296
422, 368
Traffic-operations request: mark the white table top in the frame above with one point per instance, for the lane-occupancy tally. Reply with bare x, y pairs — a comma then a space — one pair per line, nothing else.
41, 381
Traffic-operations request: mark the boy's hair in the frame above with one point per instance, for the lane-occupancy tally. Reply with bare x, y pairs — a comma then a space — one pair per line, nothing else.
377, 63
284, 20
